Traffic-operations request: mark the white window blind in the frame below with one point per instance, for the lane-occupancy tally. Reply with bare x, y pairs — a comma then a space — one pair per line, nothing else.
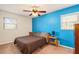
9, 23
68, 21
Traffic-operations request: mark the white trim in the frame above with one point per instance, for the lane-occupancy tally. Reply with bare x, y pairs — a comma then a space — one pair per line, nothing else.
66, 46
5, 42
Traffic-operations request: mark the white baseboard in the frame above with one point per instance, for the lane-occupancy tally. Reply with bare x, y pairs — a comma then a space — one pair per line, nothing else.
66, 46
5, 42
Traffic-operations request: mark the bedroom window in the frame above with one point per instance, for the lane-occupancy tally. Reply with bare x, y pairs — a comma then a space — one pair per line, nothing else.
9, 23
68, 21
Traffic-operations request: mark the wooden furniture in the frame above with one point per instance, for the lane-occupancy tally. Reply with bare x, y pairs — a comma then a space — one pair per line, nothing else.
55, 40
77, 39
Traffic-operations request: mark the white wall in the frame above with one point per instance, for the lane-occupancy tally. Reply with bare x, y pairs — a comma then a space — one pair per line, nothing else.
24, 26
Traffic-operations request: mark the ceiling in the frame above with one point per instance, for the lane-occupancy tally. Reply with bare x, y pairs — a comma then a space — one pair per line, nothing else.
18, 8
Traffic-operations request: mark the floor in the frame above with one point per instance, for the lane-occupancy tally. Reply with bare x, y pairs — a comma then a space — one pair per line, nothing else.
10, 48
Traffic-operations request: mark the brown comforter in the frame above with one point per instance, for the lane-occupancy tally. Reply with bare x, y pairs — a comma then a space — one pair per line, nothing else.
28, 44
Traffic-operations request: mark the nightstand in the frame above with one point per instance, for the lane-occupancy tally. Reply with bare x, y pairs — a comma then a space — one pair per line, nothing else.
55, 40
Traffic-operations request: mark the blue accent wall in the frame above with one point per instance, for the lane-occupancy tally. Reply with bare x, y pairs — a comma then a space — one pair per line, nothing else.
51, 22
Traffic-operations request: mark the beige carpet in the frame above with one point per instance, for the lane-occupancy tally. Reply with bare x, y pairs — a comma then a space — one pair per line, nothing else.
10, 48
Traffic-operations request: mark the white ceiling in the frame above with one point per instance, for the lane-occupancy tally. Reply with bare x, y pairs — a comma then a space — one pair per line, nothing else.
18, 8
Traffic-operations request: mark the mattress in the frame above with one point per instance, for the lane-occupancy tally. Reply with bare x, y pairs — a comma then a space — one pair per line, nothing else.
28, 44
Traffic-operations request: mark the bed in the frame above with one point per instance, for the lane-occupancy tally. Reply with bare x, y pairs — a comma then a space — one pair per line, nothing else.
28, 44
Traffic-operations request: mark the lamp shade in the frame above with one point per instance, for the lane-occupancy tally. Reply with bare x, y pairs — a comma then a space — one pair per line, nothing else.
53, 33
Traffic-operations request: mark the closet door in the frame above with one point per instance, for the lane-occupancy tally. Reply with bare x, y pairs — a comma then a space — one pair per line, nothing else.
77, 39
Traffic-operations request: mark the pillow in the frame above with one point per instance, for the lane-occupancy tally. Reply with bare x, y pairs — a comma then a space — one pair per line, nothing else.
34, 33
45, 35
40, 34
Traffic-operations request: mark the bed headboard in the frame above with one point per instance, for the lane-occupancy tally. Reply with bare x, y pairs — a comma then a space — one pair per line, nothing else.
43, 34
34, 33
